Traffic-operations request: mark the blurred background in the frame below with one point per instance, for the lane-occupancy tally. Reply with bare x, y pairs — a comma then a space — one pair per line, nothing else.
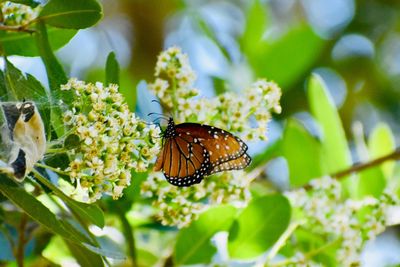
353, 45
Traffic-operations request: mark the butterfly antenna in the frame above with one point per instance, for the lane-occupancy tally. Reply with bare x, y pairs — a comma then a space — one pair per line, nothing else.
156, 101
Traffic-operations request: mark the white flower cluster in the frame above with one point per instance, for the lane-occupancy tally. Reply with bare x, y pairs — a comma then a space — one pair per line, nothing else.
174, 79
18, 14
113, 141
244, 115
326, 214
179, 206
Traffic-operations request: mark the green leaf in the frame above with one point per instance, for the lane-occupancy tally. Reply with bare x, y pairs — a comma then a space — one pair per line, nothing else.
106, 252
20, 86
30, 3
302, 152
255, 27
55, 72
380, 143
371, 182
83, 256
56, 77
259, 226
287, 59
335, 151
36, 210
71, 14
23, 44
112, 69
193, 244
146, 258
90, 212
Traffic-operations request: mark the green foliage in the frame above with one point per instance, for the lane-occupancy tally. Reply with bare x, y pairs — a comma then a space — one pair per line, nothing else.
380, 143
334, 144
55, 75
112, 69
71, 14
259, 226
20, 87
90, 213
23, 44
288, 58
84, 257
302, 153
38, 211
31, 3
193, 244
256, 23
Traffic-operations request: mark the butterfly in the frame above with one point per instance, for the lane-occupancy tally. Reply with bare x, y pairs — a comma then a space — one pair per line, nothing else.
191, 151
23, 138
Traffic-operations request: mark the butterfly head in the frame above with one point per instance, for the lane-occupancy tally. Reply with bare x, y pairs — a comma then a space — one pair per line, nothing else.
171, 130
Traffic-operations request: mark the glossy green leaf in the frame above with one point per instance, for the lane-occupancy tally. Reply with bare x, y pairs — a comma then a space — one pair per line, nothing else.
36, 210
380, 143
90, 212
371, 182
302, 153
259, 226
146, 258
83, 256
193, 244
335, 150
31, 3
112, 69
55, 72
287, 59
41, 214
255, 27
56, 77
113, 254
20, 86
3, 87
71, 14
23, 44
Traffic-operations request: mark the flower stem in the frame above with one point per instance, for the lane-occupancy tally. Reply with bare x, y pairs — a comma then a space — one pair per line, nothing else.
44, 166
307, 256
281, 242
22, 28
56, 150
174, 98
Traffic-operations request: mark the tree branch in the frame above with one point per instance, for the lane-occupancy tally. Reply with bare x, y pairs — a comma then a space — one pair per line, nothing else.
20, 249
365, 165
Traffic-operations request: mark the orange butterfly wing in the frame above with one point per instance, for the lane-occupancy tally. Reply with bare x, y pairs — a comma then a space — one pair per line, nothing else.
192, 151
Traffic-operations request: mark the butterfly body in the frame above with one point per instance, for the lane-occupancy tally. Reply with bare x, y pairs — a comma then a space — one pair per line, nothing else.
192, 151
